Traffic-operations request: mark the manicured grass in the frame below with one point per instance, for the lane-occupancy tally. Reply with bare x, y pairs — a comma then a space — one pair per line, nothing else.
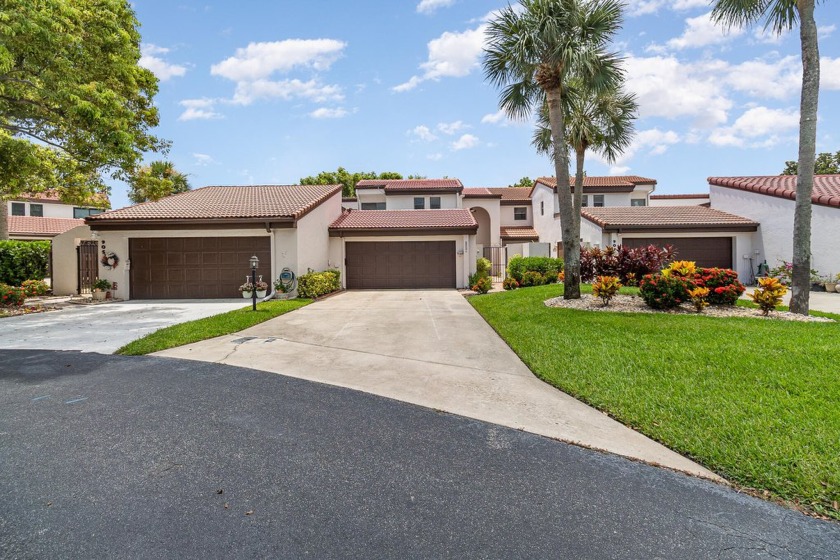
209, 327
756, 401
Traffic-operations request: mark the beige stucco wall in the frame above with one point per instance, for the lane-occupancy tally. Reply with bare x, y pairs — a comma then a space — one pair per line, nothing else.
506, 215
65, 274
493, 208
313, 236
406, 201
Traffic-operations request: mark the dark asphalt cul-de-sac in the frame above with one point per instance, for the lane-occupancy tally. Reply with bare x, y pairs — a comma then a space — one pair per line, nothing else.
117, 457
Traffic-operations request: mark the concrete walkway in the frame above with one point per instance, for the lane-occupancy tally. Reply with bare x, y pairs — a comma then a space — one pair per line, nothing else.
428, 348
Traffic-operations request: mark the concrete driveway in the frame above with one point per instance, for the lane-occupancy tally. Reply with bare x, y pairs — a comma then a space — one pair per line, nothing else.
429, 348
104, 327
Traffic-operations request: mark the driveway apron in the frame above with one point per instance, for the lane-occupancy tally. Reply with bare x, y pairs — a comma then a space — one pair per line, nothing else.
429, 348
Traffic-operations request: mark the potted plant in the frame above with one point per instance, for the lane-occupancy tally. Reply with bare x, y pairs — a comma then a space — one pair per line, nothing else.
247, 290
831, 283
262, 288
100, 287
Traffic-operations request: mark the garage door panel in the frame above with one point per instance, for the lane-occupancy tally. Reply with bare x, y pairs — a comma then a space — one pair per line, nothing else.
400, 264
194, 267
707, 252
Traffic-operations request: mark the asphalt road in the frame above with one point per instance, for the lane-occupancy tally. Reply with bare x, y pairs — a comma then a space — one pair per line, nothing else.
116, 457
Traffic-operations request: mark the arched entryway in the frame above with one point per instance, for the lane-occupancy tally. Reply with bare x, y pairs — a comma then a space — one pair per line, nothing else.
483, 235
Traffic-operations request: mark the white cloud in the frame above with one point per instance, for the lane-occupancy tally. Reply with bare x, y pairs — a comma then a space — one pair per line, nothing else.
642, 7
435, 156
198, 109
203, 159
431, 6
777, 79
754, 124
452, 55
423, 133
261, 60
652, 142
329, 113
830, 73
465, 142
701, 31
248, 92
150, 60
825, 31
451, 128
494, 118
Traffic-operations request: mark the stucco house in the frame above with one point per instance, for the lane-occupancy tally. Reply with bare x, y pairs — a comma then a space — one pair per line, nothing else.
44, 215
769, 201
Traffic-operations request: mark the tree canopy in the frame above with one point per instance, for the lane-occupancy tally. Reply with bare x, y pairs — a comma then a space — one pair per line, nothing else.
73, 101
155, 181
348, 180
825, 164
524, 182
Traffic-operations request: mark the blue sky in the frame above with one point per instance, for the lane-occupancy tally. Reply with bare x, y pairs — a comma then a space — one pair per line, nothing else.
268, 92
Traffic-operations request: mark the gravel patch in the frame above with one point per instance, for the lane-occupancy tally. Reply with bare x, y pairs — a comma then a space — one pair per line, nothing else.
635, 304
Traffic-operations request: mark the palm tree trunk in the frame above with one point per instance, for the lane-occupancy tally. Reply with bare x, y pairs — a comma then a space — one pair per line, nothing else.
580, 155
4, 219
571, 241
801, 281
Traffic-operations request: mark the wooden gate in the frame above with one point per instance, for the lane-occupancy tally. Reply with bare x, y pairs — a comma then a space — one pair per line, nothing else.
498, 259
87, 263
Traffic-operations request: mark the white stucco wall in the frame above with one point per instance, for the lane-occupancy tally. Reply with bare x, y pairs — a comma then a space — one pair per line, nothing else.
591, 233
350, 205
547, 226
65, 265
679, 201
51, 209
774, 239
406, 201
313, 236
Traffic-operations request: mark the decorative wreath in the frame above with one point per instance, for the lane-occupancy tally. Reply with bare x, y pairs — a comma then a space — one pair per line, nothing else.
109, 260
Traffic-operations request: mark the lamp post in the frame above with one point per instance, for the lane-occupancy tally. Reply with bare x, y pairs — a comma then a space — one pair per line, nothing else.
255, 262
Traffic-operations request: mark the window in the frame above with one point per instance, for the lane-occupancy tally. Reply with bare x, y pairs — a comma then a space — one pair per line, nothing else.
520, 213
597, 200
638, 202
434, 203
36, 210
18, 209
584, 200
542, 208
85, 212
373, 206
419, 203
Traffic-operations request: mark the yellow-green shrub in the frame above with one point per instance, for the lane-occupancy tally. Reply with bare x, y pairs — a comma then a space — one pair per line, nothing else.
314, 284
605, 287
698, 298
768, 294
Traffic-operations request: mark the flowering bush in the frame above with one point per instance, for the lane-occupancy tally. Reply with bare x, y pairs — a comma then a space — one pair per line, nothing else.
784, 273
769, 294
35, 287
510, 283
698, 298
605, 287
314, 284
561, 276
723, 284
628, 264
261, 286
11, 296
482, 285
662, 291
532, 278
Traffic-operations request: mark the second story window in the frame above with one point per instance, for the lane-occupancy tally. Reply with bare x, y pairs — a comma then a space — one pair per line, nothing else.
584, 200
373, 206
597, 200
520, 213
18, 209
434, 203
36, 210
542, 208
638, 202
419, 203
85, 212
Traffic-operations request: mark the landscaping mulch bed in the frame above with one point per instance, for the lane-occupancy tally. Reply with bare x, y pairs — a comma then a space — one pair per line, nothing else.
635, 304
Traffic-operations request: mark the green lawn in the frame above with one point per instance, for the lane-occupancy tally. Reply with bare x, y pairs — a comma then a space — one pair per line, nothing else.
209, 327
756, 401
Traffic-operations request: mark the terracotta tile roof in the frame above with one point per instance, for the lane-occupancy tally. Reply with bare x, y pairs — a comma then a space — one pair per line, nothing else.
665, 217
210, 203
404, 220
612, 183
518, 194
678, 196
523, 233
479, 192
411, 184
826, 187
41, 227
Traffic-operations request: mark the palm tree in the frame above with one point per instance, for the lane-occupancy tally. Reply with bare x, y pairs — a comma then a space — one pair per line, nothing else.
598, 121
782, 15
531, 54
157, 180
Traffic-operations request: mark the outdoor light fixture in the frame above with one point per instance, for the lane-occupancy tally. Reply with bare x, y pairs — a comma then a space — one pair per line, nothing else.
255, 262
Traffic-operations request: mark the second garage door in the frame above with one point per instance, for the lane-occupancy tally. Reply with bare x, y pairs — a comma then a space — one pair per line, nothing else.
194, 267
707, 252
400, 264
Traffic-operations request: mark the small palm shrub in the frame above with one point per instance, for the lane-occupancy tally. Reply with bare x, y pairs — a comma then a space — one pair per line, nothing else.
482, 285
510, 283
605, 287
769, 294
698, 297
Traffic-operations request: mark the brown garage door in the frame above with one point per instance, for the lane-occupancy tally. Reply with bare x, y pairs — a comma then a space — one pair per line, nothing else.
194, 267
705, 251
401, 264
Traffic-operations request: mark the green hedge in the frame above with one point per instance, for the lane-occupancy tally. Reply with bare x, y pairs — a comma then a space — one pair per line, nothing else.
314, 284
546, 266
23, 260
